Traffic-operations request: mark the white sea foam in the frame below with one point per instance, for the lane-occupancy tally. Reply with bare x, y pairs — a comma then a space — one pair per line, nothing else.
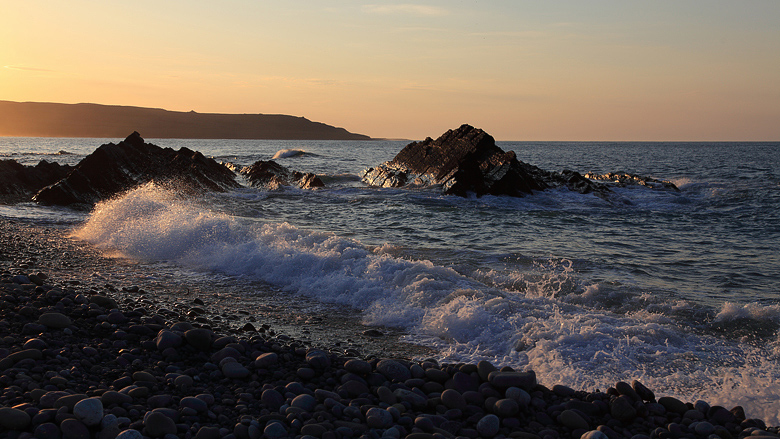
287, 153
546, 319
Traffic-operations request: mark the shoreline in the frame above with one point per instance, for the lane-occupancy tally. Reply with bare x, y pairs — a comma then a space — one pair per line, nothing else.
78, 356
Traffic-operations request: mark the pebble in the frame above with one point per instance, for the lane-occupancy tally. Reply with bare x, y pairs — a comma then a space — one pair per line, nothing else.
199, 338
488, 426
673, 405
89, 411
378, 418
506, 408
622, 409
194, 403
523, 380
318, 359
453, 399
358, 367
272, 399
158, 425
235, 370
48, 430
275, 430
132, 373
167, 339
266, 360
54, 320
13, 419
74, 429
393, 370
572, 420
305, 402
130, 434
594, 434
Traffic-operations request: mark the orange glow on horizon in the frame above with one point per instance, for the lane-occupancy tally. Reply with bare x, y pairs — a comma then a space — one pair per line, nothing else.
519, 70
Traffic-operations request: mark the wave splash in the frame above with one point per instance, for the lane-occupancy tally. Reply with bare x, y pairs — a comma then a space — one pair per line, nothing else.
287, 153
535, 323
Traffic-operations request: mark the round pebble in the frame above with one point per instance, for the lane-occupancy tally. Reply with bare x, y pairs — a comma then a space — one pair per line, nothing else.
393, 370
158, 425
488, 426
13, 419
89, 411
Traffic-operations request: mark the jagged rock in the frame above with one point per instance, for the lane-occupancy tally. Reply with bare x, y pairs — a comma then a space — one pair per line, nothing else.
112, 169
467, 160
623, 179
269, 174
23, 181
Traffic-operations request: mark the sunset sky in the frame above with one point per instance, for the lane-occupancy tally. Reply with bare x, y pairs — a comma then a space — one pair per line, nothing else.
520, 70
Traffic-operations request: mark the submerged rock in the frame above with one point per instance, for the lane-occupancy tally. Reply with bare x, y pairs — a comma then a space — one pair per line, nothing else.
269, 174
115, 168
623, 179
467, 160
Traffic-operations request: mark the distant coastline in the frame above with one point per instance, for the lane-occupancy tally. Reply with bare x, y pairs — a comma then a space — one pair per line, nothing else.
42, 119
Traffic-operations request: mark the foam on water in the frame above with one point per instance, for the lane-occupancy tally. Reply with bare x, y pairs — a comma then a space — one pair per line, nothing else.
547, 319
287, 153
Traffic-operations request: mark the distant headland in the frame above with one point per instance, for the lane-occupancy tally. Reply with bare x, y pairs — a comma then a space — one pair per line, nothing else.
39, 119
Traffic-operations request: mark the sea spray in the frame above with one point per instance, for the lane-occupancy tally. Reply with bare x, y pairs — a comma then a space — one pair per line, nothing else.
547, 318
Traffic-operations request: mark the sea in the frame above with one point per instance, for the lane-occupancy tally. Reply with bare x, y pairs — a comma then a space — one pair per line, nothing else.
677, 289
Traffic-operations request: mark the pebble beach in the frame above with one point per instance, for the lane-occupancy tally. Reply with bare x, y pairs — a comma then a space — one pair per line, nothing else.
81, 359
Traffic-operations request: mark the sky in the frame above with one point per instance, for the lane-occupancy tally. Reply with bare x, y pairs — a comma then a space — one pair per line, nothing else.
661, 70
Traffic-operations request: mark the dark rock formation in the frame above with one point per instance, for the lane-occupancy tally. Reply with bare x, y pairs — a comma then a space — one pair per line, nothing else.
467, 160
272, 175
113, 169
623, 179
19, 182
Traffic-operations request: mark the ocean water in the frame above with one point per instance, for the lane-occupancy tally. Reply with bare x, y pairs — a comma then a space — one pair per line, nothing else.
680, 290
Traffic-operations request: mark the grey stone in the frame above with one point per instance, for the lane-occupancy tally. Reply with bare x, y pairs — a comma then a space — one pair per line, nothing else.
167, 339
393, 370
113, 397
358, 367
199, 338
488, 426
673, 405
89, 411
103, 301
266, 360
272, 399
417, 401
130, 434
378, 418
523, 380
74, 429
13, 419
48, 430
506, 408
453, 399
206, 432
305, 402
158, 425
572, 420
318, 359
235, 370
275, 430
622, 409
54, 320
594, 434
194, 403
